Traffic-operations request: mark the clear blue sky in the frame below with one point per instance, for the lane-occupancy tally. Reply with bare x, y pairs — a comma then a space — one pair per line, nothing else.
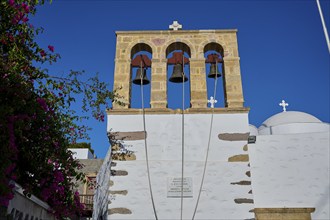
281, 45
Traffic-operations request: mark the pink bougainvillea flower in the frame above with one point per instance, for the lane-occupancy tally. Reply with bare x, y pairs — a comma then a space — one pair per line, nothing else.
13, 177
11, 2
18, 17
14, 20
51, 48
10, 169
25, 7
42, 53
25, 19
42, 103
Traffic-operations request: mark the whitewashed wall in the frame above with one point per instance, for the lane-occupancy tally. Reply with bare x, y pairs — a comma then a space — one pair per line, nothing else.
164, 146
22, 207
81, 153
291, 171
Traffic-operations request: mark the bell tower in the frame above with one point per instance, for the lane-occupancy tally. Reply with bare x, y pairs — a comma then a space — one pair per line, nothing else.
193, 42
178, 163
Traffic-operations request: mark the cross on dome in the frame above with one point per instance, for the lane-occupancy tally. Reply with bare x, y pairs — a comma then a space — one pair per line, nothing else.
175, 26
284, 104
212, 101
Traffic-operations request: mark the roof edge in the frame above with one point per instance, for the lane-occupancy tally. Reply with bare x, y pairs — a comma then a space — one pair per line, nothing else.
176, 32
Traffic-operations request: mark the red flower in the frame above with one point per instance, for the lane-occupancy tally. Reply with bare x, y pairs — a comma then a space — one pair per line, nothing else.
51, 48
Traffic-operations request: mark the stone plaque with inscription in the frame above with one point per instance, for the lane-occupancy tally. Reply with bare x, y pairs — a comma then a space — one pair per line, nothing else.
174, 187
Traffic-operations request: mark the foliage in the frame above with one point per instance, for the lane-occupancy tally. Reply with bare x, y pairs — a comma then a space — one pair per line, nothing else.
82, 145
36, 122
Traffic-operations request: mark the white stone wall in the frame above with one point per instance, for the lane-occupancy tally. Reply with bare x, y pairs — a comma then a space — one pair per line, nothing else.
22, 207
164, 147
291, 171
81, 153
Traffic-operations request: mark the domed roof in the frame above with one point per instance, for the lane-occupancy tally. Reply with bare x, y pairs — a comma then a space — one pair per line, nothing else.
290, 117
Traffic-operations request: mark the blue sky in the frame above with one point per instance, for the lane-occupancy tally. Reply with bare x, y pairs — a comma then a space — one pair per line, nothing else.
282, 46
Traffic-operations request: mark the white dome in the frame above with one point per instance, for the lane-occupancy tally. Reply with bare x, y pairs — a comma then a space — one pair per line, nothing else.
289, 118
292, 122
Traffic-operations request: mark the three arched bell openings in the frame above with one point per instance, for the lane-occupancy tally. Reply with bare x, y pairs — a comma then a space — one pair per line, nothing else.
177, 54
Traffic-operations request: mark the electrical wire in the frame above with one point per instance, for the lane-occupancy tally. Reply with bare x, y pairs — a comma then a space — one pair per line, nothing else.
208, 144
145, 144
323, 24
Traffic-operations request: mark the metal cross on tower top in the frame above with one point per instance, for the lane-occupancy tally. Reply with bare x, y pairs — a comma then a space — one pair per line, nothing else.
212, 101
175, 26
284, 104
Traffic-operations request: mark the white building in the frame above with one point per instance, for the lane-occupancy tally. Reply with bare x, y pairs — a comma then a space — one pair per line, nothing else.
81, 153
290, 163
227, 174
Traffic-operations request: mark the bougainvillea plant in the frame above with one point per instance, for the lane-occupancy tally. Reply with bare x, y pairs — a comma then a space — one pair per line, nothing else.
36, 122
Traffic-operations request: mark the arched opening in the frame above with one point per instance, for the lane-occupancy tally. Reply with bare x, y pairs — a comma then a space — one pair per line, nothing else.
178, 55
213, 53
141, 55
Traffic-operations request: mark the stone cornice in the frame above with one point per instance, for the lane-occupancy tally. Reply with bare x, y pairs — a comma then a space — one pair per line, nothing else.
179, 32
164, 111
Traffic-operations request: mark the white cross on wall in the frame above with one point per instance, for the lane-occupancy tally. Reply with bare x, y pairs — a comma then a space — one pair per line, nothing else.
175, 26
212, 101
284, 104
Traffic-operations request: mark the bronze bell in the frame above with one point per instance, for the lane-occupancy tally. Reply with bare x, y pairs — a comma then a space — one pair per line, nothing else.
214, 72
137, 79
177, 74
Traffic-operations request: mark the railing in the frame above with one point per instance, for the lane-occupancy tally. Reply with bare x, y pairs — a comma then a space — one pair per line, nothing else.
87, 201
102, 191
